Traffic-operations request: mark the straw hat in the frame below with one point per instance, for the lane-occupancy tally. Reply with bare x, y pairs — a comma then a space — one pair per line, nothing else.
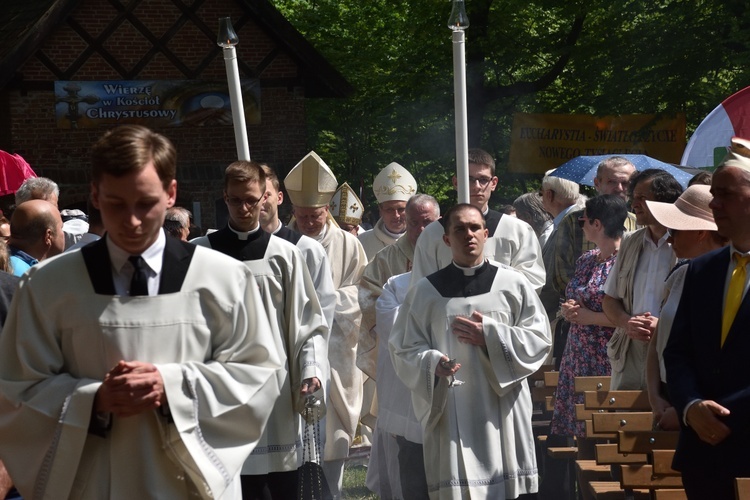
345, 206
394, 183
310, 183
689, 213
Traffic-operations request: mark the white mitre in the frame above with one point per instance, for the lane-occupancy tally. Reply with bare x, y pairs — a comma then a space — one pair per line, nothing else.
310, 183
346, 206
394, 183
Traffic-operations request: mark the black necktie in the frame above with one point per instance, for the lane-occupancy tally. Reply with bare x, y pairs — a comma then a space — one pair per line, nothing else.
139, 281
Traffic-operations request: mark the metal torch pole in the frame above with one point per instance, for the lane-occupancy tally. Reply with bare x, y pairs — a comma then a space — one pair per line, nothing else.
238, 109
459, 97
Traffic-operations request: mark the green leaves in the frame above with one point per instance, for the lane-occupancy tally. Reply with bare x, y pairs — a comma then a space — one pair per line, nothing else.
544, 56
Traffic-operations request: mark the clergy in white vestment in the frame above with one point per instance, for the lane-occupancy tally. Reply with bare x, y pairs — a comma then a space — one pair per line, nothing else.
139, 366
392, 187
311, 185
421, 210
299, 328
511, 241
347, 209
313, 252
464, 342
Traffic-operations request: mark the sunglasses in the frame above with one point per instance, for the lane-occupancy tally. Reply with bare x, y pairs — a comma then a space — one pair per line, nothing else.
672, 232
582, 221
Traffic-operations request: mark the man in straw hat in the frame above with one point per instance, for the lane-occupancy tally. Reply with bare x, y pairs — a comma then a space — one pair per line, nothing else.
511, 242
311, 185
692, 233
707, 351
393, 186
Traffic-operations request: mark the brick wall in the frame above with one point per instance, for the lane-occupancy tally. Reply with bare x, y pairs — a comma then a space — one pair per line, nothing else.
203, 153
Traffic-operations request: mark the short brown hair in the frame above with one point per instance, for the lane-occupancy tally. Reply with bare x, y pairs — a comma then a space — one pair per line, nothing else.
245, 171
129, 148
271, 176
481, 157
456, 209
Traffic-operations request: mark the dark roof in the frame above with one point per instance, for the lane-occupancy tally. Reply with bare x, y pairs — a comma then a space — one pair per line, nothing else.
321, 76
25, 24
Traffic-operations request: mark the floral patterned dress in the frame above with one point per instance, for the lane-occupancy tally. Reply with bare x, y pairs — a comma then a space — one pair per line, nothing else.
585, 352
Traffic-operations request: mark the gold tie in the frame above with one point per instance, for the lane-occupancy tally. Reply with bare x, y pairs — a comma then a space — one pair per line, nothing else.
734, 294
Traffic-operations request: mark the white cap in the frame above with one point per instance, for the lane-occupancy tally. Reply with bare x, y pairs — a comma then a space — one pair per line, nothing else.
394, 183
310, 183
346, 206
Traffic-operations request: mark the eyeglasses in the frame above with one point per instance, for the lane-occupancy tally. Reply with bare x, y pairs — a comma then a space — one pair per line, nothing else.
582, 221
671, 232
483, 181
244, 202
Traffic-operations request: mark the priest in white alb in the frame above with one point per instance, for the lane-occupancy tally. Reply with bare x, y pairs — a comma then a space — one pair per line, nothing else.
310, 185
464, 342
511, 241
300, 331
139, 366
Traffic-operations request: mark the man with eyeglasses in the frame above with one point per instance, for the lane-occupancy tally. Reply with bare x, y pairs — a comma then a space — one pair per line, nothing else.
299, 328
635, 286
511, 241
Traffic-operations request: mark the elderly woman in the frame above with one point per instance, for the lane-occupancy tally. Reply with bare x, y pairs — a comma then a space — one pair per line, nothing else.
692, 232
529, 208
585, 352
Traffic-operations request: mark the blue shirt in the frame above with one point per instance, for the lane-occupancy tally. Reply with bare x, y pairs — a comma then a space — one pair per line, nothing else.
20, 261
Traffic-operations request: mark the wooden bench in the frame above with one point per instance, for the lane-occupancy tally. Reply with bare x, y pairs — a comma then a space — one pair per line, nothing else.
742, 488
611, 413
658, 474
568, 455
541, 416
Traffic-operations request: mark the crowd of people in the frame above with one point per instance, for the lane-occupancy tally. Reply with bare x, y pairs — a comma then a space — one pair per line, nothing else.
140, 358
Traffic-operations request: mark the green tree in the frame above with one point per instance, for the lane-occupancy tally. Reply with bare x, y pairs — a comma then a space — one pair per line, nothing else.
549, 56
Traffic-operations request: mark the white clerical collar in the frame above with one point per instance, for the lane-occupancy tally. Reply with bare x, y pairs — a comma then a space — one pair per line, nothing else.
243, 235
469, 271
319, 237
279, 225
395, 236
153, 255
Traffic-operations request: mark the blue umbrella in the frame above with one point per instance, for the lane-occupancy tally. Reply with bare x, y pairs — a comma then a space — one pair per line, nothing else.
582, 169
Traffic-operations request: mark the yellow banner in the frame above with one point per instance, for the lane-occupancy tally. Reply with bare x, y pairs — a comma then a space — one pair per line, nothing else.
543, 142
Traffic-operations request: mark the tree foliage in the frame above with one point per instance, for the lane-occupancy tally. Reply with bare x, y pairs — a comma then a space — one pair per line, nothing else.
546, 56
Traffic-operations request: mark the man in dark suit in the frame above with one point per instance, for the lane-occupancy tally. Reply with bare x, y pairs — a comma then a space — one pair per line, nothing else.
707, 352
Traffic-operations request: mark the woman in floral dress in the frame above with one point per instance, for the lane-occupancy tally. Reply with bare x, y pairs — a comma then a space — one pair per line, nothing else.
586, 349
